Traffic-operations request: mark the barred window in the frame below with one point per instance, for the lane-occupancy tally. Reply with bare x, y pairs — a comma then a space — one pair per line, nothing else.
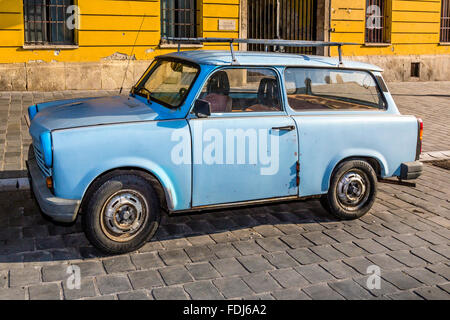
376, 21
445, 21
178, 18
45, 22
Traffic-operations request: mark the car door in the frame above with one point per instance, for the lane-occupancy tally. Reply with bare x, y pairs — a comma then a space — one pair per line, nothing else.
247, 149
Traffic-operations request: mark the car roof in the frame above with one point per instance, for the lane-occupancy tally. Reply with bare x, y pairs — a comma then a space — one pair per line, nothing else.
223, 57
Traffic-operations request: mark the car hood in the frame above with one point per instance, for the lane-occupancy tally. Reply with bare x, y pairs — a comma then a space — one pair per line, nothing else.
73, 113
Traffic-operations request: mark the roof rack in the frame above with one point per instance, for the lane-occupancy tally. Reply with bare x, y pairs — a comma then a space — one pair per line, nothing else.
265, 42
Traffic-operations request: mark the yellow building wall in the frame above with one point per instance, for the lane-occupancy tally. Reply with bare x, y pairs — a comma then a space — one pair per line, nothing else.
109, 26
414, 27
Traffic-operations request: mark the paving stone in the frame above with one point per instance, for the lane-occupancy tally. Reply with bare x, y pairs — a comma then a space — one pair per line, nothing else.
261, 282
47, 291
272, 244
226, 250
24, 277
304, 256
350, 290
296, 241
90, 268
118, 264
290, 294
17, 293
318, 238
328, 253
386, 288
113, 283
425, 276
442, 249
134, 295
289, 278
349, 249
248, 247
359, 232
200, 253
404, 295
280, 260
56, 272
314, 273
229, 267
385, 262
360, 264
104, 297
289, 229
174, 257
391, 243
440, 269
338, 269
175, 275
233, 287
322, 292
171, 244
339, 235
222, 237
379, 230
407, 258
267, 230
255, 263
411, 240
370, 246
202, 271
202, 290
86, 289
169, 293
445, 287
432, 293
147, 260
201, 240
432, 237
145, 279
401, 280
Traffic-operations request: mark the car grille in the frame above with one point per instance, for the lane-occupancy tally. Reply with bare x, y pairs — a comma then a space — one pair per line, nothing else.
40, 161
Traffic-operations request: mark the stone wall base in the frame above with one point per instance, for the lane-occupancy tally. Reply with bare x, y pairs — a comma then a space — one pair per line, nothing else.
109, 74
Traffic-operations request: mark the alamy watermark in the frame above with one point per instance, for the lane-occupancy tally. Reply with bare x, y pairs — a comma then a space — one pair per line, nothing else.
74, 280
227, 147
374, 280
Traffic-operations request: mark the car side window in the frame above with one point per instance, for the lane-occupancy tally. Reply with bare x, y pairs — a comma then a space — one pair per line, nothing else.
332, 89
242, 90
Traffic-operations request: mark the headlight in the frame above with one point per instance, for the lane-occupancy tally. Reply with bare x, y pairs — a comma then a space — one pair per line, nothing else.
46, 144
32, 110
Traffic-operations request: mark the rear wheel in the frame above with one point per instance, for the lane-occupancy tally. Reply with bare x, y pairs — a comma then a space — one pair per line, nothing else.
122, 213
352, 191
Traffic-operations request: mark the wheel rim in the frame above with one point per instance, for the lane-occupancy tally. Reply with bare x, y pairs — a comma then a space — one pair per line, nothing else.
353, 190
123, 215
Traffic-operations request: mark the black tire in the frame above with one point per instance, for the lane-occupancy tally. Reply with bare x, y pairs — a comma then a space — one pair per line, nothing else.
352, 192
118, 202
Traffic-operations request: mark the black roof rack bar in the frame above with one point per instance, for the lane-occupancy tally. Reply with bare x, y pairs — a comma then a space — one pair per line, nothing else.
265, 42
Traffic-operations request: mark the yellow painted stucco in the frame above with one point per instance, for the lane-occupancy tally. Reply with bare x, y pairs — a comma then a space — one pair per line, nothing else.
414, 27
110, 26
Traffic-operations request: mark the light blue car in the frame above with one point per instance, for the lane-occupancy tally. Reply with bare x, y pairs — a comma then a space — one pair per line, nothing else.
202, 130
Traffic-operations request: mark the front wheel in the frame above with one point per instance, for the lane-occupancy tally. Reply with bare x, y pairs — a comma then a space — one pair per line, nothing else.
352, 191
122, 213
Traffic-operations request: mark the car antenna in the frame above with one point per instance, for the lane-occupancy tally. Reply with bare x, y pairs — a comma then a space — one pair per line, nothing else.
132, 51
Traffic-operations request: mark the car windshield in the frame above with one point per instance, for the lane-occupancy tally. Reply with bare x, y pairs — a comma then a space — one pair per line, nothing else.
167, 82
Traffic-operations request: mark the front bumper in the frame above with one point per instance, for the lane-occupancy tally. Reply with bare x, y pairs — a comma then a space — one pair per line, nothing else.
59, 209
411, 170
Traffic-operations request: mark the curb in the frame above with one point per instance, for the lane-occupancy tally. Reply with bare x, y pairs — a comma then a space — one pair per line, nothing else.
13, 184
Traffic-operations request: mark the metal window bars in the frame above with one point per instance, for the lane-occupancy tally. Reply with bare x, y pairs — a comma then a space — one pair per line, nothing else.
265, 42
178, 18
375, 21
445, 22
45, 22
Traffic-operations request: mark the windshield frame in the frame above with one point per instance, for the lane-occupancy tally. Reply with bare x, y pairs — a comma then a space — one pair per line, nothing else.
153, 66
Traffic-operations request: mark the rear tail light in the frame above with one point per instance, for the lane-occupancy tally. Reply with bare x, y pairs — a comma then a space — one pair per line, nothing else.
419, 138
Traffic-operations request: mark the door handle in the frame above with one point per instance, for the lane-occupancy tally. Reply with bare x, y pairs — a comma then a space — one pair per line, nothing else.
285, 128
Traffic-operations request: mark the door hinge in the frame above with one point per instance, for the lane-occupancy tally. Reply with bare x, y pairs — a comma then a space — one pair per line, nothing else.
298, 173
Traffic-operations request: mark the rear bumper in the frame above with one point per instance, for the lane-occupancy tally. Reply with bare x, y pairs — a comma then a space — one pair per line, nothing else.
59, 209
411, 170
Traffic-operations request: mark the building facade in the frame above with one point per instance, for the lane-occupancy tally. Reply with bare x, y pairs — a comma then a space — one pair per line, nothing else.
88, 44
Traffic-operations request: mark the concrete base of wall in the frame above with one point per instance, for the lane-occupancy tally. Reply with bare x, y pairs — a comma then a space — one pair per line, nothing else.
109, 74
398, 68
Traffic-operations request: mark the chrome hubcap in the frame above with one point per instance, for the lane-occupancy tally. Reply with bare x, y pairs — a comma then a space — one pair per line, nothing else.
351, 189
123, 215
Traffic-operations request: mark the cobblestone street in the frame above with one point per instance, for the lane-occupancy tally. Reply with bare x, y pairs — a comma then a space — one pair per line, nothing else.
285, 251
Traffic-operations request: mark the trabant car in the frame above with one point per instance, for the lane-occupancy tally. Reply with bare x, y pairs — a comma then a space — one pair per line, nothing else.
206, 129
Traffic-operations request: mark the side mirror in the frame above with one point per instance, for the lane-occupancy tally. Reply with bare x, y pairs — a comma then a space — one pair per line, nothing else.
202, 108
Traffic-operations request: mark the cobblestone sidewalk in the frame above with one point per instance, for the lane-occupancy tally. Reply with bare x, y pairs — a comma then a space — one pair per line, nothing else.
428, 100
285, 251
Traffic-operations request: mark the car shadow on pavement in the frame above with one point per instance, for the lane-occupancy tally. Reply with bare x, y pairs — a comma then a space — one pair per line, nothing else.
27, 236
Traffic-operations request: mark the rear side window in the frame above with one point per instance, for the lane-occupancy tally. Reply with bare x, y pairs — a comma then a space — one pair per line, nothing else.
332, 89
